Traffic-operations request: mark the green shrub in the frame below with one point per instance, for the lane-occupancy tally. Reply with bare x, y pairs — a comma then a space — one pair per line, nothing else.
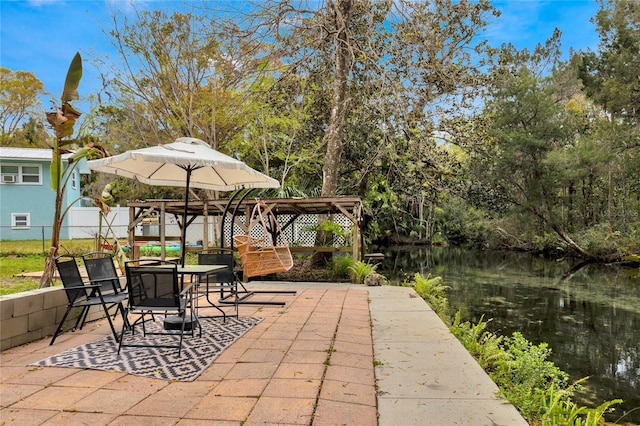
330, 227
459, 222
340, 266
600, 241
525, 374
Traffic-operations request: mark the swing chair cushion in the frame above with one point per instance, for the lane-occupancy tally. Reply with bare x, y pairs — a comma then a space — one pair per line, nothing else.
259, 255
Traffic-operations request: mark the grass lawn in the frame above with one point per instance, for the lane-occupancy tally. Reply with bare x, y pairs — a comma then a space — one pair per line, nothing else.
17, 257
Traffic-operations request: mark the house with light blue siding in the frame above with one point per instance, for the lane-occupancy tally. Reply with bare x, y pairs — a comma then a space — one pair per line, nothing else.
27, 202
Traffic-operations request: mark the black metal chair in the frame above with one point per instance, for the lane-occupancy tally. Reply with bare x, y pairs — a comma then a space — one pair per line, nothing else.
102, 270
223, 282
84, 296
153, 288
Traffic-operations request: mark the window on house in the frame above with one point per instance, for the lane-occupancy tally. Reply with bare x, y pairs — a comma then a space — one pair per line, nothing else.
74, 179
15, 173
30, 174
20, 220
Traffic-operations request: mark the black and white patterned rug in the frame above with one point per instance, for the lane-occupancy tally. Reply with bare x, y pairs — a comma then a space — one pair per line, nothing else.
161, 363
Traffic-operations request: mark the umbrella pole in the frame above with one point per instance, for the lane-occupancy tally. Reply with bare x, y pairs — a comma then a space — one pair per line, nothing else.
183, 242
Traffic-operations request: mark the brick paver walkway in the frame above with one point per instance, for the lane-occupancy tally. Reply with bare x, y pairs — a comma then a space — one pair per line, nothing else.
309, 362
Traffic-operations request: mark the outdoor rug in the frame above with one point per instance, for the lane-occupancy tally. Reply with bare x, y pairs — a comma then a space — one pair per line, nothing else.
160, 363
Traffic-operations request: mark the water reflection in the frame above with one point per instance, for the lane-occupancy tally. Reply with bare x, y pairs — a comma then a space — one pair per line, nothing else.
590, 316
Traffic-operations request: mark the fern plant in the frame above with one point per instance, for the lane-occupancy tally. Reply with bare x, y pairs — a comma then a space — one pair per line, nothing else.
433, 292
360, 270
484, 346
560, 410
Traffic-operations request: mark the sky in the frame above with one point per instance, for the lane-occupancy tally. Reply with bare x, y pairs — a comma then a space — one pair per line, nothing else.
42, 36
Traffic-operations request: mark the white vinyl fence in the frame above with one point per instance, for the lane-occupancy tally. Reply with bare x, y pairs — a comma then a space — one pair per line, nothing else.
85, 223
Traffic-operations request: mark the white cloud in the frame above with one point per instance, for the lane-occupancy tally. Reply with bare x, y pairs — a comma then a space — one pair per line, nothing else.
39, 3
129, 6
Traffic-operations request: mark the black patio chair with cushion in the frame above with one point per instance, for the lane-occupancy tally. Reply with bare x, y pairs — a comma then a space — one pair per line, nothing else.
83, 295
153, 288
224, 282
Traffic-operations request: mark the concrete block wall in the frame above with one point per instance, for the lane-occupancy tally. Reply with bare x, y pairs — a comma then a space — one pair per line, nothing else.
33, 315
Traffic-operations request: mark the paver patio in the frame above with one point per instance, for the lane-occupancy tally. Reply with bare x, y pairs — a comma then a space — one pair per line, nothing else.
309, 361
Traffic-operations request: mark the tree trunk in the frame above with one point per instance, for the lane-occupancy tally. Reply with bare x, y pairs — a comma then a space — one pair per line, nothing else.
341, 11
575, 246
50, 264
49, 268
334, 137
610, 201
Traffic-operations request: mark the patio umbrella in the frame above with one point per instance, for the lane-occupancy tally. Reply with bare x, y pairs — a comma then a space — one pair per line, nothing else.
187, 162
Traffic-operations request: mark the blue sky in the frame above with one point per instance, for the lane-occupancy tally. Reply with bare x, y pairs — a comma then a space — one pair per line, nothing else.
42, 36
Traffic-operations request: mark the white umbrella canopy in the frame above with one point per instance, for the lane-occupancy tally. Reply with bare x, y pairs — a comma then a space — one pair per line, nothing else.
167, 165
187, 162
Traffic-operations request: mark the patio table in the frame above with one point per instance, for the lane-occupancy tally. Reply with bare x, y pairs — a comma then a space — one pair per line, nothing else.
199, 271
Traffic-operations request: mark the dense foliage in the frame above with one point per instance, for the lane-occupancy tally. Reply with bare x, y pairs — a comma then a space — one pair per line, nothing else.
446, 139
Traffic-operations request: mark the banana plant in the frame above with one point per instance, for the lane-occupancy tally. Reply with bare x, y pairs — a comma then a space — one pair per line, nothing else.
101, 203
62, 120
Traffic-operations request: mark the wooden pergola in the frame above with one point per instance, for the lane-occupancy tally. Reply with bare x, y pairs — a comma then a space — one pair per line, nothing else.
286, 210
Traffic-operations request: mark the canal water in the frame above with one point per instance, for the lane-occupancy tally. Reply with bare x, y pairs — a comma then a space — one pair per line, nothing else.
588, 314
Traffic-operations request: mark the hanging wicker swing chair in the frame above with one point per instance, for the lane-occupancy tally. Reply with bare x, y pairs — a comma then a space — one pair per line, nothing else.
263, 250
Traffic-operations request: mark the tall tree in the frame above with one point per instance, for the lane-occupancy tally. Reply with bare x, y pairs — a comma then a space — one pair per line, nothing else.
611, 79
349, 58
178, 77
19, 102
529, 125
388, 74
340, 15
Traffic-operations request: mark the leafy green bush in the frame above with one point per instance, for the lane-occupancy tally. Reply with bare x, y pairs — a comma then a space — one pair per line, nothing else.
525, 374
599, 240
547, 242
340, 266
330, 227
459, 222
